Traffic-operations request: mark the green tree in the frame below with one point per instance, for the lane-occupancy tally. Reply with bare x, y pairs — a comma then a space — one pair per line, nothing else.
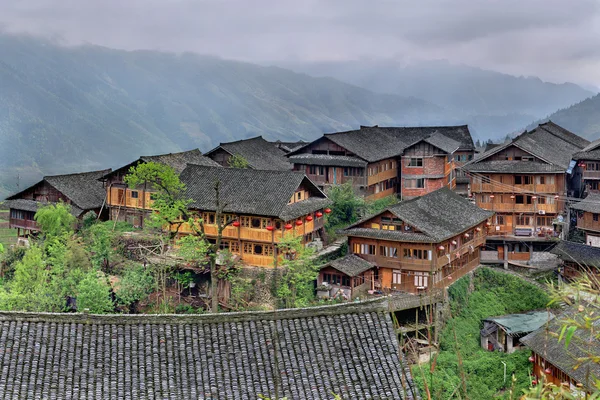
100, 245
93, 293
238, 161
55, 219
136, 284
168, 199
346, 206
298, 271
193, 249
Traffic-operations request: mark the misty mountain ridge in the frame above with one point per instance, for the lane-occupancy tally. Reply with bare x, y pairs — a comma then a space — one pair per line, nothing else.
493, 103
582, 118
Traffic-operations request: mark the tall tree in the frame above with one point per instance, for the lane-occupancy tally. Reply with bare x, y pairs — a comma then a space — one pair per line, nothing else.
298, 271
55, 219
238, 161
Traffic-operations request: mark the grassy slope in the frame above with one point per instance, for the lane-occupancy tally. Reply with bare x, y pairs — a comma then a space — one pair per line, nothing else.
7, 236
495, 294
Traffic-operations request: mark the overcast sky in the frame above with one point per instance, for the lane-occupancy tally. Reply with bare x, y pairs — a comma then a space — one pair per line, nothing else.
557, 40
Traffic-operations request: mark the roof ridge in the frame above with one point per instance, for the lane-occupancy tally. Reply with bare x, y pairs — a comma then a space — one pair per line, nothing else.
78, 173
244, 140
274, 171
366, 306
169, 154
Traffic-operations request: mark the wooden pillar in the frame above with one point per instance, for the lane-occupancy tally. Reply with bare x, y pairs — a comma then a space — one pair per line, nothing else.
505, 255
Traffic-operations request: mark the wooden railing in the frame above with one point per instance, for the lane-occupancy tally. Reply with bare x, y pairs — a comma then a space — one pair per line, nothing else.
258, 260
591, 174
512, 207
463, 249
23, 223
382, 194
382, 176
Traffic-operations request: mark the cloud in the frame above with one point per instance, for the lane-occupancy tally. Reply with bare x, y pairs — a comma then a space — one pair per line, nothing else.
554, 39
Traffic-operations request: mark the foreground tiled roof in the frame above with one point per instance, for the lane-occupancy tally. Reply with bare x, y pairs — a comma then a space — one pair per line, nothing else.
398, 236
83, 189
544, 342
350, 350
587, 256
587, 155
259, 153
591, 203
512, 166
250, 191
519, 324
350, 265
377, 143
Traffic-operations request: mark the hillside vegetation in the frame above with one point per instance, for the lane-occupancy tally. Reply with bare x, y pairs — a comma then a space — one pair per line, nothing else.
494, 294
582, 118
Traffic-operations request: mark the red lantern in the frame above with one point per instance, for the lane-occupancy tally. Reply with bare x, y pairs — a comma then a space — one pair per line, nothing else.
512, 197
548, 371
466, 235
441, 248
454, 242
556, 196
327, 210
534, 197
492, 196
457, 255
534, 382
236, 223
288, 226
309, 218
269, 227
299, 222
319, 214
488, 223
531, 359
478, 229
449, 277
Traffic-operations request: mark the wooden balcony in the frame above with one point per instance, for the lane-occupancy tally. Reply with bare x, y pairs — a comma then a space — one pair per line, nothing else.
23, 224
591, 174
397, 263
258, 260
512, 207
382, 176
465, 247
382, 194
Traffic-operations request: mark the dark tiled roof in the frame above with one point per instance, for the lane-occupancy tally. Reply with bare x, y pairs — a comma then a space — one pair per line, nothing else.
583, 254
350, 350
512, 166
439, 215
259, 153
544, 342
592, 146
443, 142
590, 204
327, 160
83, 189
248, 191
587, 155
398, 236
177, 161
289, 146
300, 208
32, 205
519, 324
377, 143
350, 265
549, 142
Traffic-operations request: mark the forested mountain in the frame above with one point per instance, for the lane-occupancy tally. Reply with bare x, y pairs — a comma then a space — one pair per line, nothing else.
65, 109
493, 104
582, 118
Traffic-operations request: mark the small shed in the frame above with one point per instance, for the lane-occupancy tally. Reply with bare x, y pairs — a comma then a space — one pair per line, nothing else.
348, 276
503, 333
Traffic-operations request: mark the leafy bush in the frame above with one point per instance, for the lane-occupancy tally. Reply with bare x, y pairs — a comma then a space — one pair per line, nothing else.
93, 294
136, 284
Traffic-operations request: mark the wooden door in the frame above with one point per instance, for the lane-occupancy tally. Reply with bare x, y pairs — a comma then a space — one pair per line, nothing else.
508, 219
500, 252
121, 196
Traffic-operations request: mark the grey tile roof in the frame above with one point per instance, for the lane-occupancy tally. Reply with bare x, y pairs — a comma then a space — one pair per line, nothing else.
248, 191
545, 343
591, 203
443, 142
83, 189
587, 155
439, 215
512, 166
350, 265
259, 153
549, 142
327, 160
351, 350
519, 324
592, 146
177, 161
289, 146
300, 208
377, 143
32, 205
398, 236
580, 253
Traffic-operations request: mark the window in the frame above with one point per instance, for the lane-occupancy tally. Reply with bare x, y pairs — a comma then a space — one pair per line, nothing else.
414, 183
519, 199
256, 223
421, 279
415, 162
152, 196
595, 217
470, 157
360, 248
527, 158
523, 180
396, 277
388, 251
524, 220
499, 219
299, 196
134, 194
417, 254
258, 249
541, 200
544, 221
540, 180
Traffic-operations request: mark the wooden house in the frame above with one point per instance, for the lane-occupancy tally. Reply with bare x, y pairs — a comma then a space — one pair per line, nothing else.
263, 205
561, 365
82, 191
587, 169
525, 182
587, 212
133, 205
347, 277
380, 162
577, 259
259, 153
421, 243
503, 333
